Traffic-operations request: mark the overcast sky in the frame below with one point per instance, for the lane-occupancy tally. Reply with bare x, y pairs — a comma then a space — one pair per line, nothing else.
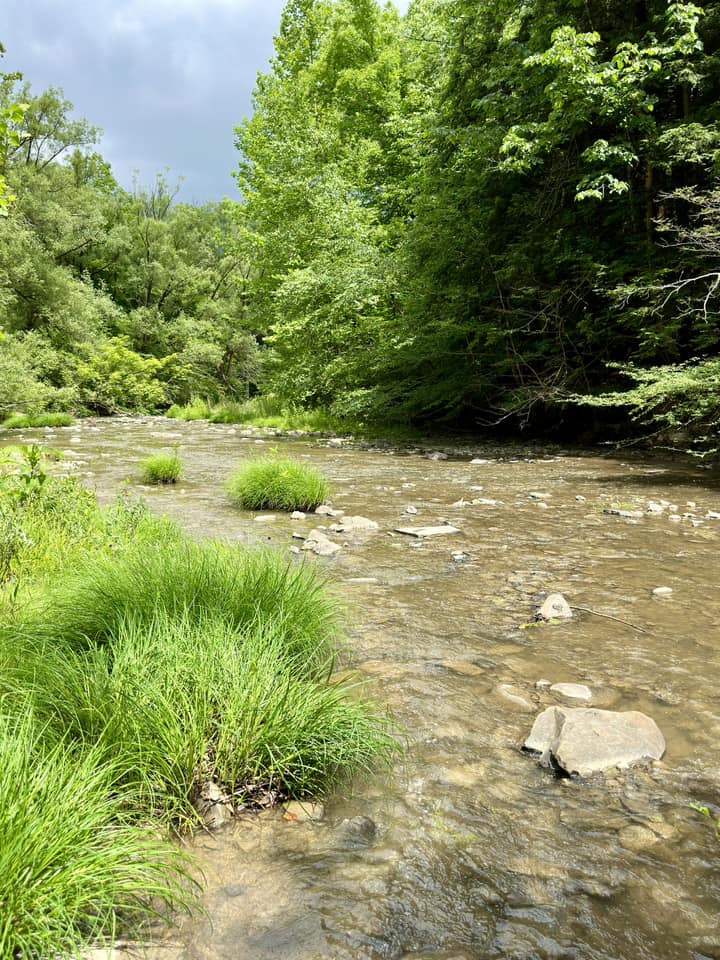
166, 80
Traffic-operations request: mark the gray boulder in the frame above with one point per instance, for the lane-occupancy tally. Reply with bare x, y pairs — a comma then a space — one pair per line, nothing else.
583, 741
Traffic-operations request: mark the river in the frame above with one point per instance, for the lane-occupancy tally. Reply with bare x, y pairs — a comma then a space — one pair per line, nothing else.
474, 851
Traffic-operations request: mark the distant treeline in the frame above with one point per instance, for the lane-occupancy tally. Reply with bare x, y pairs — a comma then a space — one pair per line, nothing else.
480, 214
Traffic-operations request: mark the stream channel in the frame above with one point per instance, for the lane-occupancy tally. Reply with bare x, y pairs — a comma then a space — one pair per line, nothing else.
474, 851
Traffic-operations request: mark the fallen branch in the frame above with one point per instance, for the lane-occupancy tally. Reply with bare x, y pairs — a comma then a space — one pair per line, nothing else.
607, 616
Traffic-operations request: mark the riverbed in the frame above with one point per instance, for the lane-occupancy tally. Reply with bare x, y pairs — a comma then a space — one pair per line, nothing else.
468, 849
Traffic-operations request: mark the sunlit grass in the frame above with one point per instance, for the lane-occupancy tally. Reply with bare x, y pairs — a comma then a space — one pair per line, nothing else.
72, 869
21, 421
161, 468
276, 483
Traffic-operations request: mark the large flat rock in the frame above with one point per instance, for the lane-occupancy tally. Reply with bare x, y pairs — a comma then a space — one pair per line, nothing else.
427, 531
583, 741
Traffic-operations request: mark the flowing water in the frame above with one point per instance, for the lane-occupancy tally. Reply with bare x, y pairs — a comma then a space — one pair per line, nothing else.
469, 850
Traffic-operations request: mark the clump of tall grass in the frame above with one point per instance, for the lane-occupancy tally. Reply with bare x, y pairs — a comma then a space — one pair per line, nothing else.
177, 702
72, 869
161, 468
197, 409
276, 483
21, 421
240, 586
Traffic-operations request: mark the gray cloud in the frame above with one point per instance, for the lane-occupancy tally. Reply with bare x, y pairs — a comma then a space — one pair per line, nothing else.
167, 80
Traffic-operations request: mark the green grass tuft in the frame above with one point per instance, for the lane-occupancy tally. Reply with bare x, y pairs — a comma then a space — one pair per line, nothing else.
239, 586
22, 421
275, 483
161, 468
195, 410
72, 869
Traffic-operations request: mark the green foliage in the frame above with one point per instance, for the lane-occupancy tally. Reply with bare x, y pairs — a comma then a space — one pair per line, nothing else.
21, 421
241, 587
276, 483
161, 468
116, 378
197, 409
180, 700
72, 870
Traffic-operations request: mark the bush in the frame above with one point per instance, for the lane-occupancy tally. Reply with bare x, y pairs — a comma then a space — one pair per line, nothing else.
21, 421
274, 483
71, 867
162, 468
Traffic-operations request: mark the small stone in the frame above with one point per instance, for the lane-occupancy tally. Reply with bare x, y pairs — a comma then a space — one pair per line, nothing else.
319, 543
555, 607
572, 691
460, 557
436, 456
543, 684
213, 805
580, 498
662, 591
479, 461
427, 531
653, 507
712, 515
410, 509
303, 812
324, 510
298, 515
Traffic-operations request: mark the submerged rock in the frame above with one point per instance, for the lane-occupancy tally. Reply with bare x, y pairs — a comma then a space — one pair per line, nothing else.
352, 524
324, 510
427, 531
555, 607
583, 741
573, 691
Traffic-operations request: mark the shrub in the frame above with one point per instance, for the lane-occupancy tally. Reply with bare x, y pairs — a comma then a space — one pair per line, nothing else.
162, 468
274, 483
22, 421
72, 870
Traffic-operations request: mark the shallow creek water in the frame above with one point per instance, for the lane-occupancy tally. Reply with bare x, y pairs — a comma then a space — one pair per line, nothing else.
478, 853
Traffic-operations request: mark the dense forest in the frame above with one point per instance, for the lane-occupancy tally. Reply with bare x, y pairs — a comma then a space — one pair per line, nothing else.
479, 215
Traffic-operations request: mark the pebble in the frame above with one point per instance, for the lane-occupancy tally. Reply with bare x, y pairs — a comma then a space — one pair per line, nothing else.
543, 684
478, 460
662, 591
712, 515
298, 515
580, 498
436, 456
410, 509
